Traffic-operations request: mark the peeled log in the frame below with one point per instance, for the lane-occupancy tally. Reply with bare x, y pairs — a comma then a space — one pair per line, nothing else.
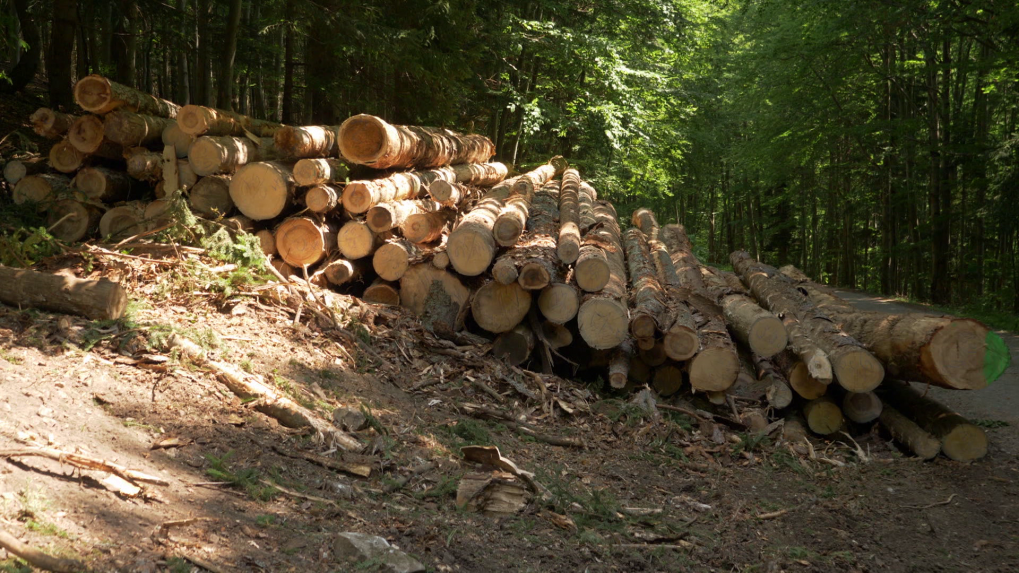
210, 155
321, 198
131, 129
944, 351
17, 169
649, 312
210, 197
87, 133
559, 302
71, 221
144, 165
40, 188
603, 318
499, 308
341, 271
181, 142
320, 171
98, 300
382, 292
123, 221
304, 241
103, 185
471, 246
515, 346
99, 95
824, 417
619, 364
568, 247
909, 434
386, 216
262, 190
755, 327
861, 407
427, 227
198, 120
392, 259
356, 240
369, 140
855, 368
961, 440
305, 141
50, 123
436, 296
799, 378
65, 157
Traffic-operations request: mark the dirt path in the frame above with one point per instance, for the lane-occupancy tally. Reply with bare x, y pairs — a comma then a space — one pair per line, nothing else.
998, 402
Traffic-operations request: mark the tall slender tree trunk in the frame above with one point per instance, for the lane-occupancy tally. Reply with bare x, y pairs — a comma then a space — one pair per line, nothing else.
28, 64
226, 78
58, 62
289, 49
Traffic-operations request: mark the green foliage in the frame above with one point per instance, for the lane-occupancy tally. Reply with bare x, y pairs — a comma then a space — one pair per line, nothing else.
247, 479
242, 249
24, 247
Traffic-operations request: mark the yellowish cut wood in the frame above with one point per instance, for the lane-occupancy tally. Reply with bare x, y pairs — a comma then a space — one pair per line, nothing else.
123, 221
961, 440
95, 299
321, 198
568, 246
40, 188
603, 318
391, 214
471, 246
498, 307
65, 157
224, 154
798, 376
131, 129
436, 296
198, 120
369, 140
427, 227
356, 240
50, 123
320, 171
392, 259
17, 169
909, 434
824, 417
340, 271
619, 364
263, 190
103, 185
266, 241
181, 142
304, 241
382, 292
559, 302
97, 94
300, 142
87, 133
71, 220
210, 197
144, 165
454, 193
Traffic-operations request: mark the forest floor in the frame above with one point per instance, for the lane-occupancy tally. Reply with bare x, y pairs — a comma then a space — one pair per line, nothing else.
718, 499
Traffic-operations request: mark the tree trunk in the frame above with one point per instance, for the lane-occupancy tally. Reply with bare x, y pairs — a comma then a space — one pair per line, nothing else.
59, 58
210, 197
649, 310
471, 246
50, 123
382, 292
304, 241
498, 307
856, 369
307, 141
449, 194
357, 241
392, 259
212, 155
340, 271
436, 296
321, 199
392, 214
266, 241
755, 327
95, 299
122, 221
944, 351
909, 434
17, 169
534, 255
961, 440
427, 227
568, 246
603, 319
103, 185
515, 346
87, 133
226, 79
40, 188
99, 95
181, 142
24, 71
132, 129
619, 364
262, 190
71, 220
824, 417
197, 120
320, 171
368, 140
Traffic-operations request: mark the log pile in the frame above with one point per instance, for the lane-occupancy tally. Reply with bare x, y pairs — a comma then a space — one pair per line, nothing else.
533, 260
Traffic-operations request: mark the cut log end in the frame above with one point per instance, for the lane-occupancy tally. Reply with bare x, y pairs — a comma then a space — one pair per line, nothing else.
966, 353
261, 190
964, 443
768, 336
681, 343
592, 269
470, 252
362, 139
93, 93
861, 407
667, 379
858, 371
382, 292
498, 307
824, 417
71, 221
357, 197
603, 322
321, 198
391, 261
515, 346
266, 241
534, 275
301, 241
803, 383
714, 369
559, 302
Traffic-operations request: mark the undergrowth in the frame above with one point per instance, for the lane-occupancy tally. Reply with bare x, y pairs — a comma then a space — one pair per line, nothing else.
247, 479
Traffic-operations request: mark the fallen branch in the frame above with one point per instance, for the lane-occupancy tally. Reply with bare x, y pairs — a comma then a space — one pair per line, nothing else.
296, 494
37, 558
930, 505
86, 463
522, 428
359, 470
399, 482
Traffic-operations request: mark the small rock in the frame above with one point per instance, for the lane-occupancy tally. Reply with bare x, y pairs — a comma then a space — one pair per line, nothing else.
359, 547
350, 419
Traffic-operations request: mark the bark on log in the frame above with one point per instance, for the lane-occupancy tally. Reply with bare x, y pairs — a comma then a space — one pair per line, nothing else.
50, 123
944, 351
71, 220
779, 394
321, 198
755, 327
262, 190
824, 417
356, 240
103, 185
40, 188
211, 155
798, 376
392, 214
861, 407
534, 255
559, 302
306, 141
304, 241
619, 364
198, 120
65, 157
96, 94
515, 346
320, 171
498, 307
454, 193
568, 247
37, 558
267, 242
392, 259
17, 169
382, 292
341, 271
360, 196
537, 178
87, 133
909, 434
471, 246
854, 367
644, 219
144, 165
649, 310
961, 440
133, 129
210, 197
436, 296
603, 318
123, 221
181, 142
512, 220
95, 299
681, 340
369, 140
427, 227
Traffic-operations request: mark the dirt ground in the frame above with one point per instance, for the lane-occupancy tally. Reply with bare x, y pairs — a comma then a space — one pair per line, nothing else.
718, 499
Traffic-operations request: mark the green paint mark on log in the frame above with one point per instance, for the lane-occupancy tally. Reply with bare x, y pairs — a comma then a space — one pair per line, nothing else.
996, 357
